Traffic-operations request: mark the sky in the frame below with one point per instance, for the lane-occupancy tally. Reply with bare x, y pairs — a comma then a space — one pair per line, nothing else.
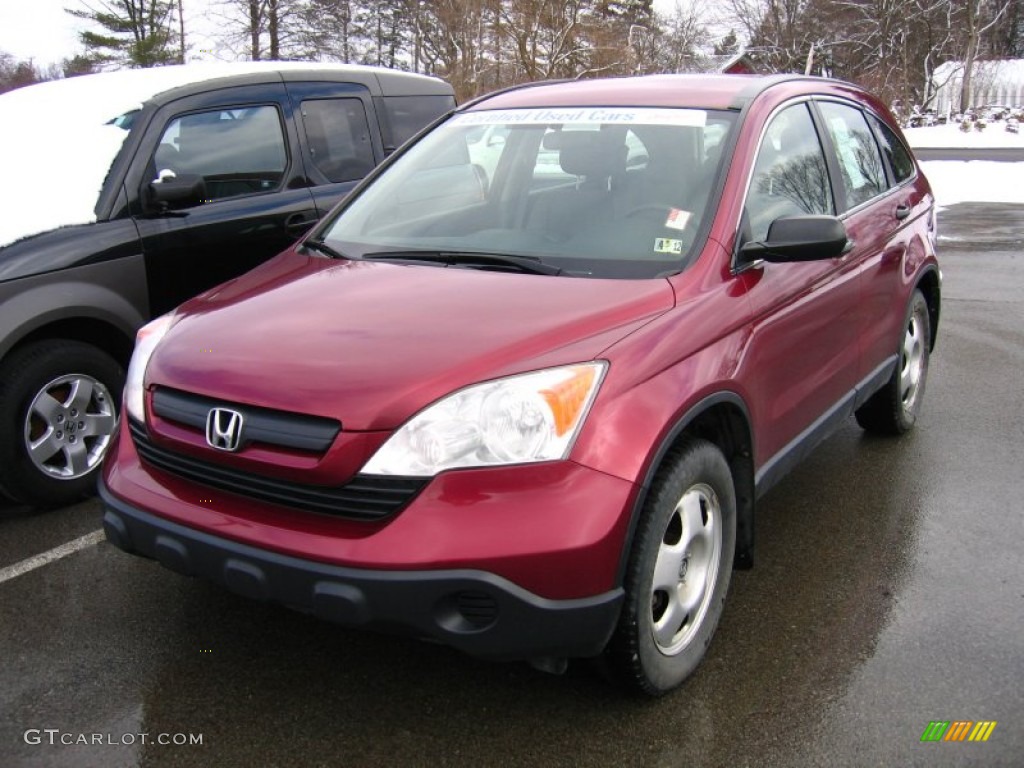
44, 34
48, 35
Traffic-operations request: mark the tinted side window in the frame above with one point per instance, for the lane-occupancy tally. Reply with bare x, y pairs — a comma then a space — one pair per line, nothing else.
236, 151
898, 155
408, 114
790, 176
339, 138
860, 163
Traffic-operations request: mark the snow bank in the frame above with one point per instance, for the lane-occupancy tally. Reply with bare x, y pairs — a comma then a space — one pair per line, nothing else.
976, 181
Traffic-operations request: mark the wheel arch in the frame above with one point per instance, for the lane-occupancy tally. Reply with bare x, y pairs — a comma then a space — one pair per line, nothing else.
89, 330
91, 314
722, 419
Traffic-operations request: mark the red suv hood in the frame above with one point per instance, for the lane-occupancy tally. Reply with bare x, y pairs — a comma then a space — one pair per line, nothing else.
370, 344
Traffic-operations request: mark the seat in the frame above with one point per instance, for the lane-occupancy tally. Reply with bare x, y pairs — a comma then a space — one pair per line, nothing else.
597, 159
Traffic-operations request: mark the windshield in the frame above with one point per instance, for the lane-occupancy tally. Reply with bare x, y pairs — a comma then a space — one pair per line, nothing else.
601, 192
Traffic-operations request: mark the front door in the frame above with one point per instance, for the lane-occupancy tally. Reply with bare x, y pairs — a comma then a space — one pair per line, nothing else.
256, 199
807, 314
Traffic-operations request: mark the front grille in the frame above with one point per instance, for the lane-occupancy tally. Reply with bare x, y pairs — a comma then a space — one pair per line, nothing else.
365, 497
262, 425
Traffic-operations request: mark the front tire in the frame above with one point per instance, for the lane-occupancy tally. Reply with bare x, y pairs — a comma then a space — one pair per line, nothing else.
893, 409
679, 571
59, 405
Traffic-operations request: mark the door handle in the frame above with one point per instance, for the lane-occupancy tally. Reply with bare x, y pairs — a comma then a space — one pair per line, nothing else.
298, 223
902, 211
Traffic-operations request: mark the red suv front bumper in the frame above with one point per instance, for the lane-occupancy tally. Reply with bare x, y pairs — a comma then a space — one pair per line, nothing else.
512, 562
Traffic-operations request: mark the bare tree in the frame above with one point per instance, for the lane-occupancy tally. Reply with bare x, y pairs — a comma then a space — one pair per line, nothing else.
980, 17
265, 29
451, 39
547, 37
16, 73
780, 32
682, 35
330, 30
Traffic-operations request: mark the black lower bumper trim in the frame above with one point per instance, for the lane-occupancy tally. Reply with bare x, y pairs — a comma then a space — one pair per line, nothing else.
477, 612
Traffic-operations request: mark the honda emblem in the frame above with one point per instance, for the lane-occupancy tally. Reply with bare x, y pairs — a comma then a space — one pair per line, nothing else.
224, 429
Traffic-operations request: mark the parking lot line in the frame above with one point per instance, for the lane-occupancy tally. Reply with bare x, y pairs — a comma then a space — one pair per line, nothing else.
37, 561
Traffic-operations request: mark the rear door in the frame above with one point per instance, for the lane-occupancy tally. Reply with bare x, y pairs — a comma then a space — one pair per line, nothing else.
886, 217
339, 137
243, 142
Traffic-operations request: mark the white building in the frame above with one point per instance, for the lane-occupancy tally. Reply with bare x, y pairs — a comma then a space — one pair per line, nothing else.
992, 82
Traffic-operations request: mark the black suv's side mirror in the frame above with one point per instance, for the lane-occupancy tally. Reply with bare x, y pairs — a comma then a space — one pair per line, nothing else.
800, 238
171, 189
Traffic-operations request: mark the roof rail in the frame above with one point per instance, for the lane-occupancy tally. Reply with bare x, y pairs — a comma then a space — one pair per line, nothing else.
762, 83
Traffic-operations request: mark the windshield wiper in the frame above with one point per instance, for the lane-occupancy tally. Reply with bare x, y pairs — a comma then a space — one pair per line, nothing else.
530, 264
324, 248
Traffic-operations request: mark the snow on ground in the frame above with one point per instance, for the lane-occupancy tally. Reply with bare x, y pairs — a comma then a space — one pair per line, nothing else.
976, 181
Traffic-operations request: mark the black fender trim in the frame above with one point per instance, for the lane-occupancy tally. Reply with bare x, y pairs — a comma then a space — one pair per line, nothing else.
743, 474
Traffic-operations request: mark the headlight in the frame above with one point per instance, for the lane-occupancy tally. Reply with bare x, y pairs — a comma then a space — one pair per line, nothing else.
520, 419
146, 340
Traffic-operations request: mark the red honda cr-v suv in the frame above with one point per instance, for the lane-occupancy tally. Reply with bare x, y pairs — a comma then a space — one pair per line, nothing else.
521, 391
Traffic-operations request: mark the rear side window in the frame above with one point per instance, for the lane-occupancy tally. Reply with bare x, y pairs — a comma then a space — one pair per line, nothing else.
236, 151
408, 114
897, 154
338, 137
860, 163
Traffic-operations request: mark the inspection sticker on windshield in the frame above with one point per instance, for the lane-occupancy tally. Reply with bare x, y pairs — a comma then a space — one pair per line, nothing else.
677, 219
668, 245
693, 118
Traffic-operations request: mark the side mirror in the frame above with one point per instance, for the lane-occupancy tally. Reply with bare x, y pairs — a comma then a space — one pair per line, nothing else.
800, 238
184, 189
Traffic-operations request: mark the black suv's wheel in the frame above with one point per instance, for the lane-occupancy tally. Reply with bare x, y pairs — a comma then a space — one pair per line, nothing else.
679, 571
894, 408
58, 411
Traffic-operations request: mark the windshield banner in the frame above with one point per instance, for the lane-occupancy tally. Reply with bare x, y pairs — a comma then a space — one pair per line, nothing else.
693, 118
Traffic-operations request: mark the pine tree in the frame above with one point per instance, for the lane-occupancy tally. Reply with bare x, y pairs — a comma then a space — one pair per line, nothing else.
135, 33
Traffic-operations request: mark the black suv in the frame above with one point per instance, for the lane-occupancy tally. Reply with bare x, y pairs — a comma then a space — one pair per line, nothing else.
142, 188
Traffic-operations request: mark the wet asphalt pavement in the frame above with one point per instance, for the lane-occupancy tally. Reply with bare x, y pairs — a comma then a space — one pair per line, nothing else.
888, 592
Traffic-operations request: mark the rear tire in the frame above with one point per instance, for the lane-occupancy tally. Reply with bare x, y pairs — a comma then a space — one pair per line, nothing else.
59, 403
893, 409
679, 571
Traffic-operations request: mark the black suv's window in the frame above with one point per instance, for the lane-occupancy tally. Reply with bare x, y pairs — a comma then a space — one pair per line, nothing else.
790, 177
408, 114
339, 138
898, 155
860, 163
237, 151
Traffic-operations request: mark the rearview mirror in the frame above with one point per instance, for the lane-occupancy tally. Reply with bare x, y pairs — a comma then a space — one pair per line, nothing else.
800, 238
